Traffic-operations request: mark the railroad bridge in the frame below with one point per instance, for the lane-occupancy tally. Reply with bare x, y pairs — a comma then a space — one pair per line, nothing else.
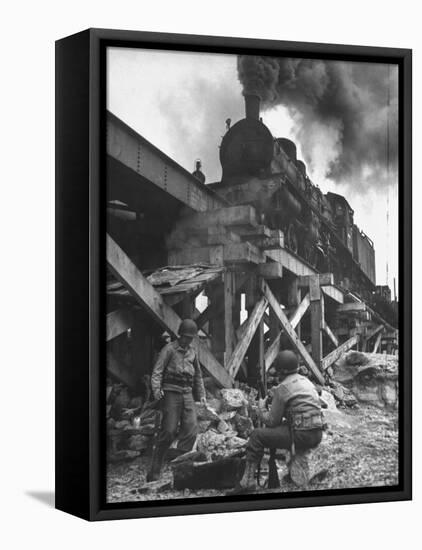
173, 244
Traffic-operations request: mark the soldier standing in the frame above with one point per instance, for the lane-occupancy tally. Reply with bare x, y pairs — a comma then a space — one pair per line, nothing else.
177, 382
293, 422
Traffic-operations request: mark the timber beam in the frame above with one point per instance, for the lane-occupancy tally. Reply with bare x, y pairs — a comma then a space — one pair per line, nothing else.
118, 322
247, 333
233, 216
145, 294
377, 343
294, 319
352, 307
329, 333
270, 270
338, 352
290, 333
317, 316
325, 279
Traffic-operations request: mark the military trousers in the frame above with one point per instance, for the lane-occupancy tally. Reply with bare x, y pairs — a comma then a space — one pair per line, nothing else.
280, 438
178, 420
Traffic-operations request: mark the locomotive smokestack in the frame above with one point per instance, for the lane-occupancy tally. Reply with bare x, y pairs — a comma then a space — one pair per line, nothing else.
252, 102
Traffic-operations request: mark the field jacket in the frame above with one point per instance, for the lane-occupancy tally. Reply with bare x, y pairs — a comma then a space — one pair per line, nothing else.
295, 400
177, 369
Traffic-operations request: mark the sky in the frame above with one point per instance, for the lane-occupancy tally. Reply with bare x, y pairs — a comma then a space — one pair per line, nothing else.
180, 101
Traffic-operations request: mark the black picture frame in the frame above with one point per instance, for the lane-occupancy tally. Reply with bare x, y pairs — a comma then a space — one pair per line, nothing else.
80, 257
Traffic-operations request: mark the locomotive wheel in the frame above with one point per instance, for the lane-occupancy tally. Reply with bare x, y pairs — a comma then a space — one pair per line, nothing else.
292, 241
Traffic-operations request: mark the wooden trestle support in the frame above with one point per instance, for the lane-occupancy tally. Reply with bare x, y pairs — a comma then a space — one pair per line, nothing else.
278, 298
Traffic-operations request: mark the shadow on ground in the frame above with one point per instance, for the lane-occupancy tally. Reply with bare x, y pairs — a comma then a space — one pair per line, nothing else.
45, 497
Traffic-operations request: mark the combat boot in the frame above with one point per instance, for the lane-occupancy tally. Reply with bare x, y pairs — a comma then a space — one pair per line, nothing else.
156, 465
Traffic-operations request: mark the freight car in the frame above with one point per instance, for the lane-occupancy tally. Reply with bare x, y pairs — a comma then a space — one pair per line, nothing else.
264, 171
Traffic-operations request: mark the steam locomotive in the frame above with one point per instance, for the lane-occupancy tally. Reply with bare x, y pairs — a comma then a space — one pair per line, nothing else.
265, 172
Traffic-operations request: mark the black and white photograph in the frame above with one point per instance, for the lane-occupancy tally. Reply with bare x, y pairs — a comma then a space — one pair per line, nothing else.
252, 275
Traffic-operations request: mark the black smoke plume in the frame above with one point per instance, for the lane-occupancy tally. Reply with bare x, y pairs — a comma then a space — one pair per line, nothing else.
350, 107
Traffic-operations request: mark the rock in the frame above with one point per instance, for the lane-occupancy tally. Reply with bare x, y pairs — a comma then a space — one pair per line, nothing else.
215, 404
372, 378
235, 443
206, 412
210, 441
122, 424
244, 425
349, 399
375, 386
356, 358
328, 398
227, 415
223, 427
203, 425
233, 399
338, 392
139, 442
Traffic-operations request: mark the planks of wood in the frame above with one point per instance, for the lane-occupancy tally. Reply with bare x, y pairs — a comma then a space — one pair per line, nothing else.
118, 322
291, 334
145, 294
294, 319
334, 355
249, 330
232, 216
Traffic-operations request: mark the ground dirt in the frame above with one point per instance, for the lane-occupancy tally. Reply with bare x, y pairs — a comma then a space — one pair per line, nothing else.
359, 449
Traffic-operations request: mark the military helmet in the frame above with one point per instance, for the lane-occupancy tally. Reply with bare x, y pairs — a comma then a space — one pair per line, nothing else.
188, 328
286, 362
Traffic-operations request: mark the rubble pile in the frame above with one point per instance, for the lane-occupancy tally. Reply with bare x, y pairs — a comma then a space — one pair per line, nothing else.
229, 416
369, 378
132, 423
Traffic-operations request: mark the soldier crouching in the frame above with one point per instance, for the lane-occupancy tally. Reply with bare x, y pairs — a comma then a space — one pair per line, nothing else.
177, 382
294, 422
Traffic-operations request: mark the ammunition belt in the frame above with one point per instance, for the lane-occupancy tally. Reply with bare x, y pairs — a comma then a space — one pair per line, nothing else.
183, 380
306, 421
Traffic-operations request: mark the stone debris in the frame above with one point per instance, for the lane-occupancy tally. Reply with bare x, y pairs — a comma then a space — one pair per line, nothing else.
138, 442
203, 425
233, 399
366, 378
243, 425
206, 412
227, 420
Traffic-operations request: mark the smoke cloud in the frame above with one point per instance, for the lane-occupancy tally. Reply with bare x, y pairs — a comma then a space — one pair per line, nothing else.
194, 129
350, 110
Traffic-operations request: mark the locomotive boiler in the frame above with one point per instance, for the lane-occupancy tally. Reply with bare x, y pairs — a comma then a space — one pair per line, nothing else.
265, 172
